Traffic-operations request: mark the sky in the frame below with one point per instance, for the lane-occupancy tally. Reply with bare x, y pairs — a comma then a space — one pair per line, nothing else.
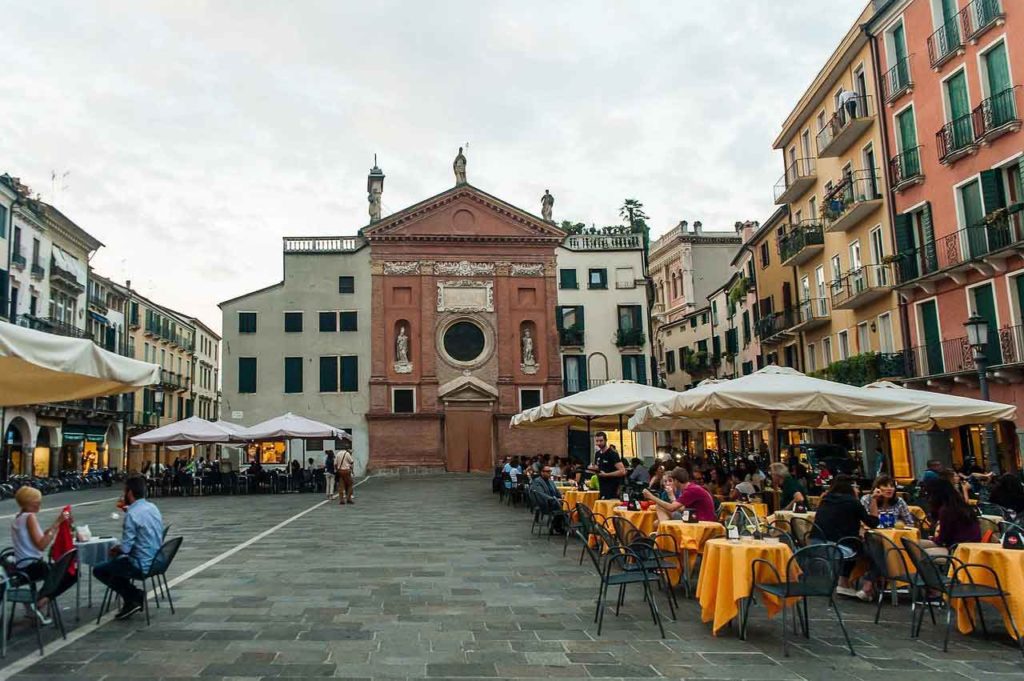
189, 136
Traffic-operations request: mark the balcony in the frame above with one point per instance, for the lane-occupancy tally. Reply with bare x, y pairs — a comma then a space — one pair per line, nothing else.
983, 15
145, 418
174, 381
798, 178
950, 255
845, 126
866, 367
698, 364
571, 386
775, 327
802, 242
947, 42
319, 245
572, 337
98, 301
605, 242
59, 275
864, 285
996, 116
630, 338
853, 199
54, 326
38, 271
897, 81
98, 409
18, 260
955, 139
810, 314
905, 169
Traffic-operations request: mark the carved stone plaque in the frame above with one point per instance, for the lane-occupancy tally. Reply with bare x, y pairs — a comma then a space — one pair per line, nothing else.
465, 295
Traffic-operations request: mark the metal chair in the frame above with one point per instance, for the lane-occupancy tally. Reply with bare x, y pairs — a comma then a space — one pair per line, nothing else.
811, 572
890, 565
658, 560
590, 522
621, 567
27, 593
156, 576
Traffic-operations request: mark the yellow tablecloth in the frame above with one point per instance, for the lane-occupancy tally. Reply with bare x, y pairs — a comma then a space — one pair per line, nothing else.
760, 509
919, 514
606, 506
643, 520
725, 577
573, 497
896, 537
689, 536
1009, 565
788, 516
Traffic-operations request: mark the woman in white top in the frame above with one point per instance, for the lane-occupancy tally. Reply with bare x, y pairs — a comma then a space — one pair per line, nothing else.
29, 540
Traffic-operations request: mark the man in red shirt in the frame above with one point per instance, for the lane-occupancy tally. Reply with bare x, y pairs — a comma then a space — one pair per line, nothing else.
683, 494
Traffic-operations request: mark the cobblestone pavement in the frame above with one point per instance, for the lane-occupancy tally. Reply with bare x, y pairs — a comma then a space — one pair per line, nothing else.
431, 577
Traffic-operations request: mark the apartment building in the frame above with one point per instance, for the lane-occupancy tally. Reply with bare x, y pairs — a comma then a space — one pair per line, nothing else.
206, 372
774, 286
8, 196
950, 75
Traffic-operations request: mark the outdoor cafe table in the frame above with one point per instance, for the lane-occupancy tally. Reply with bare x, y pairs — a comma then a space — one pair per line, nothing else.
642, 520
725, 577
606, 507
896, 536
1009, 566
573, 497
760, 509
690, 540
90, 553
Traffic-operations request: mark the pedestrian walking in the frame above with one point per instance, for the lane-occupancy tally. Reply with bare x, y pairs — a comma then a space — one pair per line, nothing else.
329, 473
343, 467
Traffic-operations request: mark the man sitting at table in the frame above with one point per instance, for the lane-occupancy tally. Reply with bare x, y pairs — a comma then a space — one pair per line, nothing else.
548, 497
682, 494
793, 493
140, 542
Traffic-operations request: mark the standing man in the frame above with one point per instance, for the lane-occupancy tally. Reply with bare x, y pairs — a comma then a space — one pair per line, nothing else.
343, 468
140, 542
608, 466
329, 473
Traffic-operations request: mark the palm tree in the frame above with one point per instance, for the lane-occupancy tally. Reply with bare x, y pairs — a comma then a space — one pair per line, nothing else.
632, 211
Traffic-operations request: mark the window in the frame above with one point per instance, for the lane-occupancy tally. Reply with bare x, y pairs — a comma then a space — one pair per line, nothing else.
328, 374
349, 321
569, 316
349, 374
346, 284
3, 222
714, 312
844, 344
246, 322
812, 361
293, 374
746, 328
630, 317
765, 257
826, 352
403, 401
863, 338
812, 208
693, 322
292, 322
464, 341
624, 277
328, 321
567, 279
246, 374
885, 343
634, 368
529, 398
574, 373
598, 278
670, 362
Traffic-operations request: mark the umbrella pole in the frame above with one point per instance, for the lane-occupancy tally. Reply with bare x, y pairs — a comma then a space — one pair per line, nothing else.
887, 450
590, 442
622, 447
773, 451
718, 436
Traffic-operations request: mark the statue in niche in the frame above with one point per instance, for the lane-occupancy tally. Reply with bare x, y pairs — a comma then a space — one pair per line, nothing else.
529, 364
459, 166
547, 202
402, 363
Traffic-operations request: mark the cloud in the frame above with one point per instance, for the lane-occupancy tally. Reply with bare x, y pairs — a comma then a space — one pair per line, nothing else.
199, 133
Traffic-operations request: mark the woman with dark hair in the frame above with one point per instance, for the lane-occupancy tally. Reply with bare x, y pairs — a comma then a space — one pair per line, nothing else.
1008, 492
956, 521
957, 481
840, 516
657, 472
883, 499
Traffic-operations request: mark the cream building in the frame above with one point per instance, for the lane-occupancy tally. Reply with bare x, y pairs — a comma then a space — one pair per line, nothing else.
206, 372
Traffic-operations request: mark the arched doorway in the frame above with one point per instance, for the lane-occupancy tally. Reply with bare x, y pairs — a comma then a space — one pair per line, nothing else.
112, 454
17, 445
47, 441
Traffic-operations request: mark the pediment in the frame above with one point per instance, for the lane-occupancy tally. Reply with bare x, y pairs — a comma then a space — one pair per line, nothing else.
463, 213
467, 389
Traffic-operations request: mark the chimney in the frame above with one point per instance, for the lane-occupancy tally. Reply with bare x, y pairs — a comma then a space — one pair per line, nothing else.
697, 227
683, 225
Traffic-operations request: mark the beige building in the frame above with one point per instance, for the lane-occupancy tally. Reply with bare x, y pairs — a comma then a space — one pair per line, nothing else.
206, 372
837, 237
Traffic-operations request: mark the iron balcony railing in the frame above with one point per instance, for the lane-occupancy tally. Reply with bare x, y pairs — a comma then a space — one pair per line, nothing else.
945, 42
861, 280
955, 137
800, 236
18, 259
775, 323
897, 80
856, 187
857, 107
38, 271
995, 112
981, 15
627, 338
54, 326
950, 356
800, 172
145, 418
905, 167
811, 309
957, 248
97, 300
572, 336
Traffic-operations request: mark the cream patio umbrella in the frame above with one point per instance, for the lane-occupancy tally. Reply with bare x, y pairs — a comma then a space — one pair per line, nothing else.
38, 367
951, 411
780, 396
191, 431
290, 427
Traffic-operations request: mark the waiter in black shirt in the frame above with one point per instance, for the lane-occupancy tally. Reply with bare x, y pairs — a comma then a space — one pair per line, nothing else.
608, 466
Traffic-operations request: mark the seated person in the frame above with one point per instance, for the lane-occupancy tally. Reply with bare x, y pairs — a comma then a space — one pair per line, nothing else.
30, 541
957, 522
549, 497
883, 499
639, 475
140, 542
792, 492
743, 491
1008, 492
682, 493
840, 516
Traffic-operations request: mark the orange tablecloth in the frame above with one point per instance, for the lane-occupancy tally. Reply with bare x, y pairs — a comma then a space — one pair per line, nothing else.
643, 520
573, 497
606, 506
1009, 565
918, 513
896, 537
759, 509
690, 537
725, 577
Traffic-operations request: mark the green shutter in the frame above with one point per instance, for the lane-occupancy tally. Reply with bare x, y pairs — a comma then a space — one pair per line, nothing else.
746, 328
932, 338
293, 374
731, 342
627, 368
998, 70
641, 369
985, 306
328, 374
567, 279
558, 317
579, 317
246, 374
993, 194
899, 42
716, 346
931, 258
1019, 283
349, 374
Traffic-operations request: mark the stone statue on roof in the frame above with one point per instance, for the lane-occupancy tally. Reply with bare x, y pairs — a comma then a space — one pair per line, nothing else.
460, 168
547, 202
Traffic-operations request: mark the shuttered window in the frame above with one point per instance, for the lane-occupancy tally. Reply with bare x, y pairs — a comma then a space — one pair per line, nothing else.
349, 374
346, 284
634, 368
349, 321
328, 374
246, 374
567, 279
246, 322
328, 321
293, 322
293, 374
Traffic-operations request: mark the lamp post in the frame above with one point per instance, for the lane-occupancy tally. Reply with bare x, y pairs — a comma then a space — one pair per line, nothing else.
158, 402
977, 338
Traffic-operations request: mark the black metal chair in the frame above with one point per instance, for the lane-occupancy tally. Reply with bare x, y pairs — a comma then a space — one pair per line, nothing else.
811, 572
573, 524
933, 570
802, 530
26, 592
546, 510
589, 522
890, 566
156, 576
657, 560
621, 567
778, 530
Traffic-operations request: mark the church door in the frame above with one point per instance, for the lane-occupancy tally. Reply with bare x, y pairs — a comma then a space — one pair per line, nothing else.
468, 441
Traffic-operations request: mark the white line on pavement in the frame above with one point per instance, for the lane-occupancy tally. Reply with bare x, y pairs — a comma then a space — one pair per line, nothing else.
60, 506
84, 630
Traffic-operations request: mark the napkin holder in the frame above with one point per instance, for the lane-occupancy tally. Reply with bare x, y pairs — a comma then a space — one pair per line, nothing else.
689, 516
82, 533
1013, 539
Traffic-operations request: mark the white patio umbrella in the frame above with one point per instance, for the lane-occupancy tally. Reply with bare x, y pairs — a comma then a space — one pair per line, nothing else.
190, 431
952, 411
38, 367
780, 396
290, 427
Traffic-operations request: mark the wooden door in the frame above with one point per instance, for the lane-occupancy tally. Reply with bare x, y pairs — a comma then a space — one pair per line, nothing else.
480, 438
468, 441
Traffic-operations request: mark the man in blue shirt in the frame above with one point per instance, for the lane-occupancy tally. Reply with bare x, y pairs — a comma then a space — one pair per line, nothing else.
140, 542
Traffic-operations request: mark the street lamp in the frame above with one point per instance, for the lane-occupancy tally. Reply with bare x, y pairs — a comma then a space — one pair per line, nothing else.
158, 403
977, 338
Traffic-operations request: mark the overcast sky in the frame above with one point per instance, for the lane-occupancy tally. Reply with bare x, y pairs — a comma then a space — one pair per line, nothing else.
197, 134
